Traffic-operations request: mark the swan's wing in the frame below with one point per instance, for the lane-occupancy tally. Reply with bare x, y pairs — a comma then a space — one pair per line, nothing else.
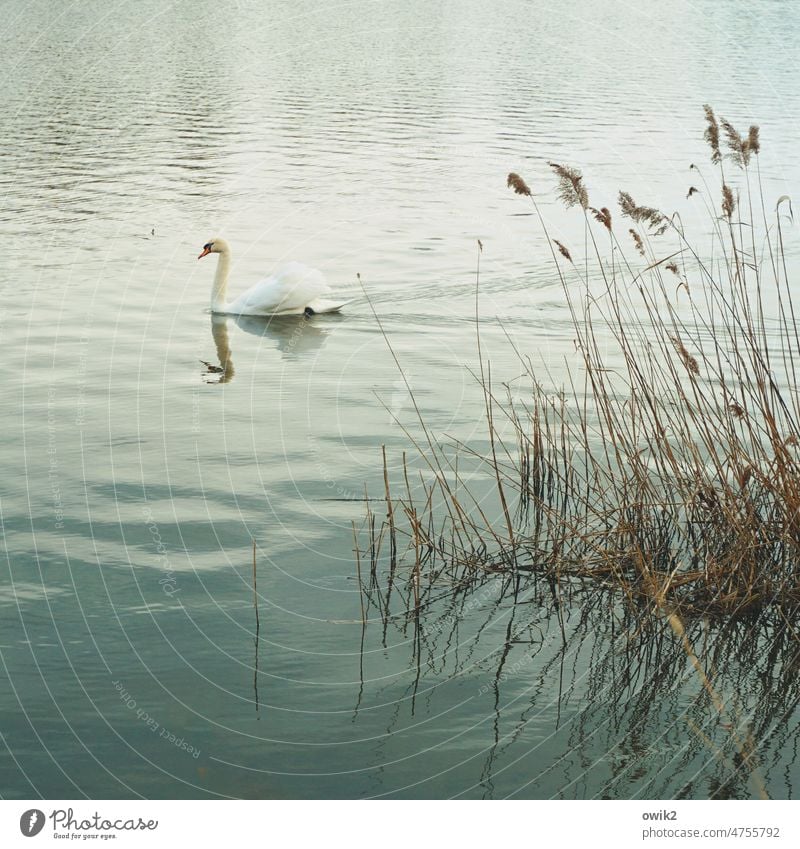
291, 287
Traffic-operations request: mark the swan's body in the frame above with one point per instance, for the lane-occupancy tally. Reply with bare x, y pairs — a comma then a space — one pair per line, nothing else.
293, 289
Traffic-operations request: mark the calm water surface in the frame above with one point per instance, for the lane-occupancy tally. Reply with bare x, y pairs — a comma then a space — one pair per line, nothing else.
367, 138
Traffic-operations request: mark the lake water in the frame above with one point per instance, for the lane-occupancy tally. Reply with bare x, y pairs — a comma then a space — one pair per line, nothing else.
367, 138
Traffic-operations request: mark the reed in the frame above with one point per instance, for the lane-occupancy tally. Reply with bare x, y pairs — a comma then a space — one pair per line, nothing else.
664, 471
357, 552
667, 465
255, 591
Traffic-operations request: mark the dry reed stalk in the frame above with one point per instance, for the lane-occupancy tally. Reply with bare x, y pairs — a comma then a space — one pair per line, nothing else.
357, 550
255, 589
487, 390
389, 509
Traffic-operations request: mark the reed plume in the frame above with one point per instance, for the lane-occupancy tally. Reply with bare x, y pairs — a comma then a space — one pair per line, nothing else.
562, 250
753, 140
571, 189
728, 201
688, 360
692, 191
642, 214
516, 183
637, 240
736, 410
711, 134
739, 147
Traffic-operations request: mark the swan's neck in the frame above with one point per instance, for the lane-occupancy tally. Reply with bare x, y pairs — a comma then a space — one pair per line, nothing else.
220, 287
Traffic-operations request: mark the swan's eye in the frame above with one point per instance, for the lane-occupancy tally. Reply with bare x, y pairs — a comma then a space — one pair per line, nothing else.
207, 246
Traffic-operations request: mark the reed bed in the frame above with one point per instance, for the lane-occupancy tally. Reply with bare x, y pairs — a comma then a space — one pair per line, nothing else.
666, 465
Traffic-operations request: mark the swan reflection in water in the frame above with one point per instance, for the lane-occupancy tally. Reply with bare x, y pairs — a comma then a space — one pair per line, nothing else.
294, 336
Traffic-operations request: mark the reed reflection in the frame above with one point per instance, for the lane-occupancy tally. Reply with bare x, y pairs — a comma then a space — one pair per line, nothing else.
588, 691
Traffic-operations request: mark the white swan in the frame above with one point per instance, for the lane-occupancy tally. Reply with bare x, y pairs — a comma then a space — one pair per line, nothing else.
294, 289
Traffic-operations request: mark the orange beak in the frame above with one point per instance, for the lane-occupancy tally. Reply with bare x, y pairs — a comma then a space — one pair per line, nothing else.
206, 252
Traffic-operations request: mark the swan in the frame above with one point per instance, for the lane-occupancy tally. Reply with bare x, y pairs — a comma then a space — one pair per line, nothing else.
294, 289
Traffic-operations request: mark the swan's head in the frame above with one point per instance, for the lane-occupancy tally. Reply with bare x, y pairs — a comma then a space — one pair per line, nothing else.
214, 246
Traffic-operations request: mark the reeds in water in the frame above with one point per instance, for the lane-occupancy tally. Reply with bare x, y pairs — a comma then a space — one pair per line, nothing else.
673, 476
